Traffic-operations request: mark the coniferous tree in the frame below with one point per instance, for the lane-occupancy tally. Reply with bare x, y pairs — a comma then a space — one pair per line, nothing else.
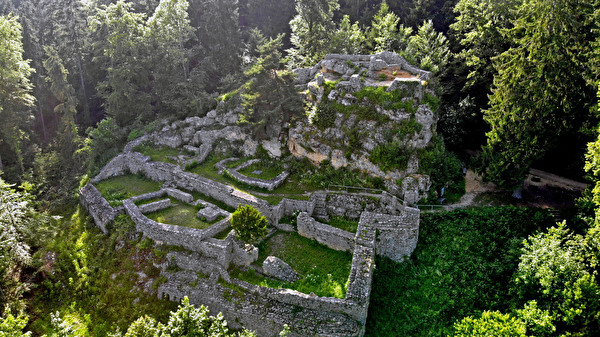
270, 99
385, 33
428, 49
311, 31
347, 38
542, 93
15, 95
479, 29
172, 38
120, 38
218, 30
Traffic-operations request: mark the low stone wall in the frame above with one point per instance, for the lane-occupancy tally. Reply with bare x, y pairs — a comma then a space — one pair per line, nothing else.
155, 206
220, 166
261, 183
179, 195
137, 163
100, 210
195, 262
332, 237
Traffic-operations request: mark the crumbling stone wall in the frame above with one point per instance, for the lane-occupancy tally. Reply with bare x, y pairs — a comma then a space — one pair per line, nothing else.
100, 210
398, 234
332, 237
351, 205
307, 315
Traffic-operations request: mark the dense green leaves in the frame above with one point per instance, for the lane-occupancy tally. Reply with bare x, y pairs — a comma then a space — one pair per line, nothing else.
269, 98
15, 92
541, 94
249, 224
463, 265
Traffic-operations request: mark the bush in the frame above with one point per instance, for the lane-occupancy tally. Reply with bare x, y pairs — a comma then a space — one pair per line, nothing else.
249, 224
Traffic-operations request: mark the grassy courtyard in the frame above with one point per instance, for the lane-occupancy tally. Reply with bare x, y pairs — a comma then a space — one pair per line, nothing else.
322, 270
117, 189
181, 215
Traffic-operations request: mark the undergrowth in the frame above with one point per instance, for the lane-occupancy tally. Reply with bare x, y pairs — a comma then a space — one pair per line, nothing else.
464, 264
93, 282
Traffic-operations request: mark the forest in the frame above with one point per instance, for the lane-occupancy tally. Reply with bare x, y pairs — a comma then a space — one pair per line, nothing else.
518, 84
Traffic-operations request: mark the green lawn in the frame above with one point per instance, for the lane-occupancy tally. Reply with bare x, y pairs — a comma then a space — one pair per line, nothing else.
322, 270
268, 171
117, 189
343, 223
181, 215
158, 153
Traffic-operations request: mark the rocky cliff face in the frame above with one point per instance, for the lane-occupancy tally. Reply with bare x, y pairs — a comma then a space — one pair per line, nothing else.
369, 112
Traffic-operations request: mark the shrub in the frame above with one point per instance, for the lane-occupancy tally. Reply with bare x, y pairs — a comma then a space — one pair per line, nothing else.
249, 224
390, 156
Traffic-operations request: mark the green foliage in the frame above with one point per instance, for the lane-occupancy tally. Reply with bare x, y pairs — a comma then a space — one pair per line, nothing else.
186, 321
464, 264
92, 285
325, 175
347, 38
391, 156
13, 326
443, 167
103, 143
312, 28
249, 224
384, 33
432, 101
269, 97
555, 271
428, 49
15, 92
123, 45
325, 116
490, 324
543, 89
479, 26
388, 100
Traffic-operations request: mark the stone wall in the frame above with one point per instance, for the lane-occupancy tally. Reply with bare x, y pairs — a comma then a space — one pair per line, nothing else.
100, 210
248, 305
332, 237
398, 234
351, 205
155, 206
171, 174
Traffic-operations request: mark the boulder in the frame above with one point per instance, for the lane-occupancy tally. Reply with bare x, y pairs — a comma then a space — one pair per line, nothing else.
275, 267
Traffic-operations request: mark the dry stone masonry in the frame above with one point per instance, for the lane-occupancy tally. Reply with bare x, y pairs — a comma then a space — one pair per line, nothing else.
387, 226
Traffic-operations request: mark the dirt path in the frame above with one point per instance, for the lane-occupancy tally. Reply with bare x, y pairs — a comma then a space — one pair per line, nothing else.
474, 186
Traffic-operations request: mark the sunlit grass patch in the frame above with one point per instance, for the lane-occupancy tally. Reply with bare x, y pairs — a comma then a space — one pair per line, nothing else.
344, 223
117, 189
322, 270
158, 153
181, 215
